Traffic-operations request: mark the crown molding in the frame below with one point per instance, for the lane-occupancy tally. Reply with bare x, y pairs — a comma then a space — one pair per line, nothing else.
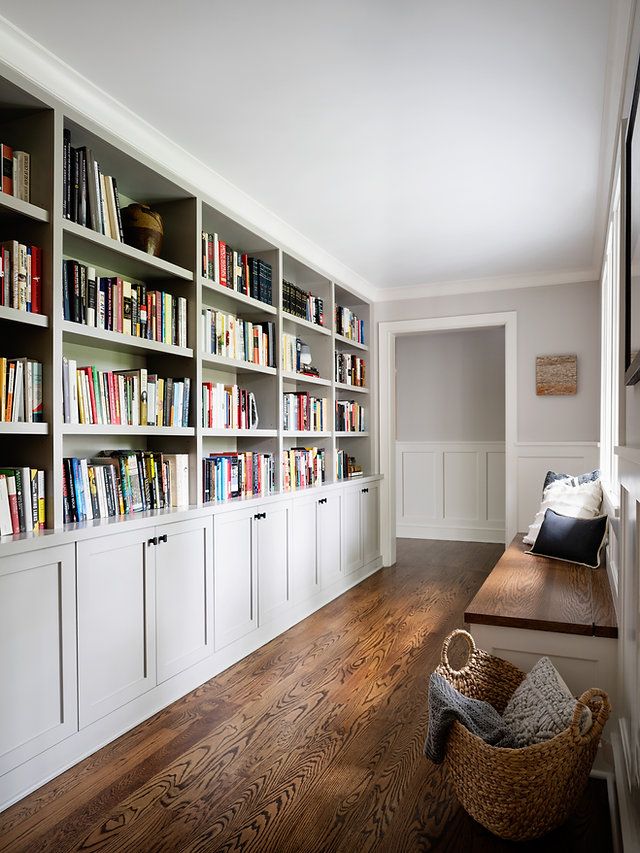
484, 285
54, 76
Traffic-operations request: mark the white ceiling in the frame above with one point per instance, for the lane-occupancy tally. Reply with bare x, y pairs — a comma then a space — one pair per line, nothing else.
417, 141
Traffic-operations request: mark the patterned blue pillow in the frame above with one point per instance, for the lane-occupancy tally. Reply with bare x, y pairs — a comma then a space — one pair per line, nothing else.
553, 477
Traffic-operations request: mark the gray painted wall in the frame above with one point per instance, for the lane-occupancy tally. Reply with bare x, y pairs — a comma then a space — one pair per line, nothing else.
554, 320
450, 386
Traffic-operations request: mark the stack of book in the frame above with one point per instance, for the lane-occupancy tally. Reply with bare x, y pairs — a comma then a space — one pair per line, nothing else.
301, 411
127, 397
350, 369
20, 390
119, 482
348, 325
346, 466
228, 407
21, 276
302, 467
22, 501
349, 416
15, 172
235, 269
237, 475
302, 304
89, 197
121, 306
231, 337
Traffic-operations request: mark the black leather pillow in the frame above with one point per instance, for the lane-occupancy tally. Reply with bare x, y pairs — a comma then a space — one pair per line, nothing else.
576, 540
577, 480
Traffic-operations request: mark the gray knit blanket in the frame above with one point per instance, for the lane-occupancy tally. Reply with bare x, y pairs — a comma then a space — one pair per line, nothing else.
447, 704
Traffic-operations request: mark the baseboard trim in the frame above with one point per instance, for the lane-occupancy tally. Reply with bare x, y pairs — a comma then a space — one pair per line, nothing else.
450, 534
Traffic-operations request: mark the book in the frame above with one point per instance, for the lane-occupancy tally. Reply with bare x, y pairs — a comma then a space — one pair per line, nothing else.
22, 175
6, 156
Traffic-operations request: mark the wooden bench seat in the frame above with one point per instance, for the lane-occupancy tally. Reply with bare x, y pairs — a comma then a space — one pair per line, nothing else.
525, 591
532, 606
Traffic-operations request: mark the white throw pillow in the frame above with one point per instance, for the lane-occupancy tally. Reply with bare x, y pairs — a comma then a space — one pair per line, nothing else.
579, 501
542, 707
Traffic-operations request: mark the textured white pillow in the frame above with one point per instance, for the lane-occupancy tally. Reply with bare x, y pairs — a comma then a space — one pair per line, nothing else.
542, 707
580, 501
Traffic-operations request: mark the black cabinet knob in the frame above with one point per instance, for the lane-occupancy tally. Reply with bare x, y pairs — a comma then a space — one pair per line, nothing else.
153, 541
365, 491
162, 538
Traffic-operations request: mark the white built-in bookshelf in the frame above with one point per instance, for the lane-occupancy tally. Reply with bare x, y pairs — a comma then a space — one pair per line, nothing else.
35, 122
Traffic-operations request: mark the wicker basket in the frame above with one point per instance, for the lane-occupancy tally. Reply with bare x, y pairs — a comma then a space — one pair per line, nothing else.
517, 793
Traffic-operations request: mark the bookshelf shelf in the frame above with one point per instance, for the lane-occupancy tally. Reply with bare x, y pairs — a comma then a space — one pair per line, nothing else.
341, 386
124, 429
107, 253
340, 339
30, 319
11, 206
299, 323
21, 428
234, 364
290, 376
104, 339
212, 287
305, 433
213, 432
352, 434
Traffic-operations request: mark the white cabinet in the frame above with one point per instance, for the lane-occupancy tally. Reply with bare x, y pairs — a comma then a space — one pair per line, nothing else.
184, 595
38, 706
273, 525
304, 562
361, 525
116, 622
330, 531
370, 518
235, 583
351, 529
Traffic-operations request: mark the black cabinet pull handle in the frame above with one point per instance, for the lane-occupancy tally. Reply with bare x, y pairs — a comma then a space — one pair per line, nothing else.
153, 541
322, 501
264, 515
162, 538
260, 515
365, 491
257, 516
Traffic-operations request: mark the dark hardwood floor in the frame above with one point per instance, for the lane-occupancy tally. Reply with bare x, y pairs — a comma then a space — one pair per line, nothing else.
312, 744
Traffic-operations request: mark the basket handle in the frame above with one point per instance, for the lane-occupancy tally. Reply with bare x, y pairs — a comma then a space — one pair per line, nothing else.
600, 714
444, 655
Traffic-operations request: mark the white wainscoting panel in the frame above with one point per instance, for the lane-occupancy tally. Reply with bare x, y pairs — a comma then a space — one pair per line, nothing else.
451, 490
533, 462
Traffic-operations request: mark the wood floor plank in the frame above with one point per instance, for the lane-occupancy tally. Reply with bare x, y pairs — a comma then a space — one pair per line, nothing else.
312, 744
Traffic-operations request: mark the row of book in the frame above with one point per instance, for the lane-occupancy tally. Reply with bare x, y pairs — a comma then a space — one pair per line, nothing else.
127, 397
348, 325
237, 475
302, 304
232, 337
346, 466
15, 172
21, 390
228, 407
120, 482
302, 467
116, 305
302, 411
22, 500
21, 276
350, 369
292, 354
89, 197
235, 270
349, 416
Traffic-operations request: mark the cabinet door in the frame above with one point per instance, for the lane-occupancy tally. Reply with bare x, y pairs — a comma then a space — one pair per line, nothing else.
38, 704
330, 538
184, 595
351, 529
370, 522
304, 564
273, 547
116, 622
235, 599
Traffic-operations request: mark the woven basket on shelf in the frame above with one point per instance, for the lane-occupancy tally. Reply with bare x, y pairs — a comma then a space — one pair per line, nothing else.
517, 793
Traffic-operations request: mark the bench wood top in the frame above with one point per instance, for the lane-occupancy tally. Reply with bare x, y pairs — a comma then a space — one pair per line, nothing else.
525, 591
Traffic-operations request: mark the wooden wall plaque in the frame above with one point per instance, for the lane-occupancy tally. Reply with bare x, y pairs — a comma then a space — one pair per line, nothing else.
556, 375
